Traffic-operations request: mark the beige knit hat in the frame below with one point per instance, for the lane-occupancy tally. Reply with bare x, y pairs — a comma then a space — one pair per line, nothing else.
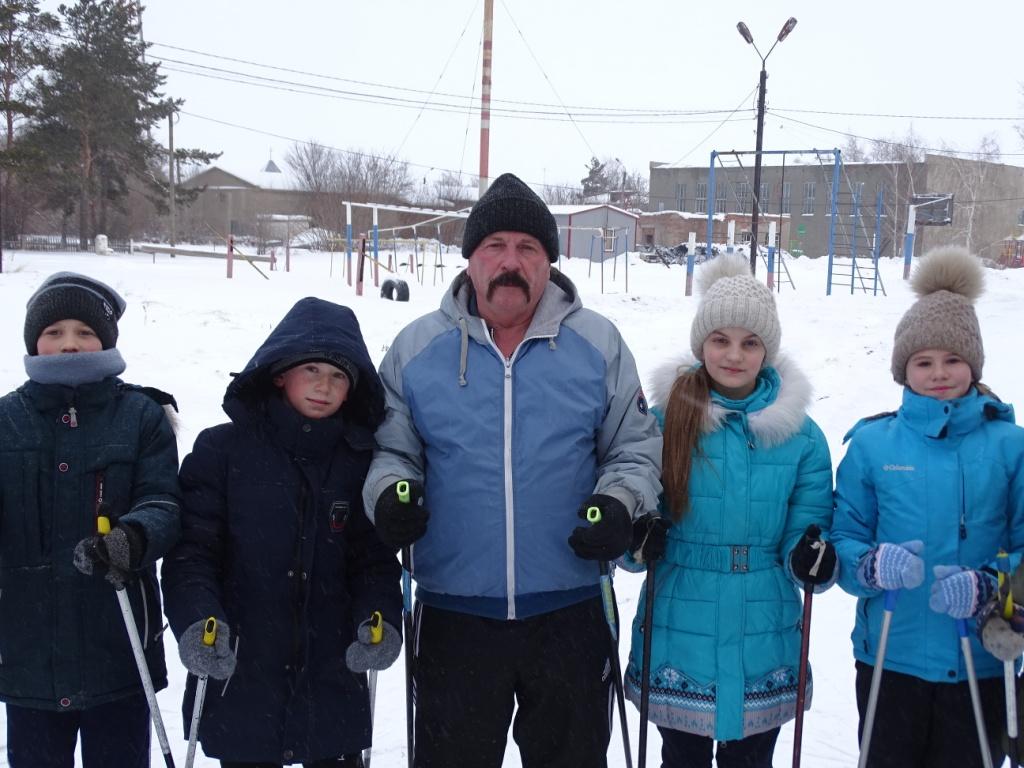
948, 280
732, 298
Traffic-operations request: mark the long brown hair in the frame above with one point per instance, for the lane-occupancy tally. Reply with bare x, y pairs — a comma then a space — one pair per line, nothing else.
684, 420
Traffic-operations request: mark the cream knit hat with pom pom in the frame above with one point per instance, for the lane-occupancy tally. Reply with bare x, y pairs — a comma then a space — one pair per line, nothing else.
733, 298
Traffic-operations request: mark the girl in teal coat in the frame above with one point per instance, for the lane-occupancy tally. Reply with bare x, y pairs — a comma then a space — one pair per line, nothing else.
746, 474
925, 499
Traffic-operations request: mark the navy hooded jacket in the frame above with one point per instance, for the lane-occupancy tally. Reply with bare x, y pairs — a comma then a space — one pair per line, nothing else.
276, 544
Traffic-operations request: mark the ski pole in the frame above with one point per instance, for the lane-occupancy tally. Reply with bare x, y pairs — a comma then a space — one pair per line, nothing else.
608, 600
209, 637
805, 646
645, 680
376, 635
103, 528
972, 682
402, 489
876, 677
1009, 673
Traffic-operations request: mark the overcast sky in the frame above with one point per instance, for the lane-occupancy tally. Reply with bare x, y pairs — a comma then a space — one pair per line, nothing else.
621, 61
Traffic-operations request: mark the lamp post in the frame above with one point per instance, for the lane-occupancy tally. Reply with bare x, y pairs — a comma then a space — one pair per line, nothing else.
756, 211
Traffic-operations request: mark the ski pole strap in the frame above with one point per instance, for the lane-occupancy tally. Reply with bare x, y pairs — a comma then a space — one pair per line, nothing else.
210, 631
376, 628
402, 489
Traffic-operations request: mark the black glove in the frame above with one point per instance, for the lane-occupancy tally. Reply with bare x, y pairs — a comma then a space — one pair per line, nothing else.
118, 553
400, 523
650, 535
609, 537
813, 561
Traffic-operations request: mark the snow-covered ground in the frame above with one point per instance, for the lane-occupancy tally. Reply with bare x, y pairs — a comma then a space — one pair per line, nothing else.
187, 327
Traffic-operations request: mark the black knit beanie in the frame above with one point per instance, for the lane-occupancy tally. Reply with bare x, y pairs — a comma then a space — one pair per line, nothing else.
510, 206
71, 296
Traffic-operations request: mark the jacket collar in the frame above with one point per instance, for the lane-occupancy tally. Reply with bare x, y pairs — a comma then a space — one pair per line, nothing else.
943, 418
774, 411
47, 397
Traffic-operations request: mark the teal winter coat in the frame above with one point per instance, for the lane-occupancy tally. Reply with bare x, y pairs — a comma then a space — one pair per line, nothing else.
950, 473
726, 628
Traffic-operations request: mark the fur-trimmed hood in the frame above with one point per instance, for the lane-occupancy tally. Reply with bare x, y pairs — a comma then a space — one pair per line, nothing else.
771, 425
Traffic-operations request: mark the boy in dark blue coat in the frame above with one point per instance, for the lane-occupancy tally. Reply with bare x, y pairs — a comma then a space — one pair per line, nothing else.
277, 548
77, 443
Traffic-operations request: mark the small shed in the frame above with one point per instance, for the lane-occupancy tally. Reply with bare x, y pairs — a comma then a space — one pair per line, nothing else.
580, 229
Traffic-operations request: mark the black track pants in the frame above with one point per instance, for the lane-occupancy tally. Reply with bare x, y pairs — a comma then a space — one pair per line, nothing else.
919, 724
471, 672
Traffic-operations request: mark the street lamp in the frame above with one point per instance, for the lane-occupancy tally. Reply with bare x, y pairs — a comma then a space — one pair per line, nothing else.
783, 34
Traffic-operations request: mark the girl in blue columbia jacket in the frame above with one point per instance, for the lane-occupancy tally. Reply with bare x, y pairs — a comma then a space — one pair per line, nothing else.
926, 497
746, 474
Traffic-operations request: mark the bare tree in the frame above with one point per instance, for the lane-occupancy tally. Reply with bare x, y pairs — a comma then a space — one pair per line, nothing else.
561, 194
451, 189
366, 177
317, 171
854, 151
900, 155
968, 180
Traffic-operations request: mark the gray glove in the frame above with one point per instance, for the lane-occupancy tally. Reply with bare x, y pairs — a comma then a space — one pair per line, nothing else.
363, 655
117, 553
216, 661
1000, 639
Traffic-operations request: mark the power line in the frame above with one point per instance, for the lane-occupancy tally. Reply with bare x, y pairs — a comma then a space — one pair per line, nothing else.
357, 153
889, 142
979, 118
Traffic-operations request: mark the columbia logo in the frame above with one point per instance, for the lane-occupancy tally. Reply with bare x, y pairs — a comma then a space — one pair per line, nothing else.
898, 467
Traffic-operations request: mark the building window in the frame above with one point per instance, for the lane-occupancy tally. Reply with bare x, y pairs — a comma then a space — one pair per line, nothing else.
828, 196
680, 197
1020, 218
809, 192
787, 194
743, 196
720, 198
702, 197
763, 199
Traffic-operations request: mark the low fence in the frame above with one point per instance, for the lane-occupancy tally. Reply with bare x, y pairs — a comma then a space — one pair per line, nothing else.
51, 243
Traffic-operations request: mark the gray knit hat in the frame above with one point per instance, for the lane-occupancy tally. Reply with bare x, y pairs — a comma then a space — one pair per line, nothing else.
510, 206
732, 298
948, 280
71, 296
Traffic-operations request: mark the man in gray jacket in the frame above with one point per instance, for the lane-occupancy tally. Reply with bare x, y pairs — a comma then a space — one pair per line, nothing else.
511, 410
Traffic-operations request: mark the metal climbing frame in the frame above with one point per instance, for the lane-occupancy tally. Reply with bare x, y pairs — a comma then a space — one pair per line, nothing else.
712, 198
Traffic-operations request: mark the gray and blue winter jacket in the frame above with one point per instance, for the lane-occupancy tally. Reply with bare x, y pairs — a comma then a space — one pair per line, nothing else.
508, 449
950, 473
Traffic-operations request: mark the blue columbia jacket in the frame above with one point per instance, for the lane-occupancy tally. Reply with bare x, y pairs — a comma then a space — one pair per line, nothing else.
508, 449
950, 473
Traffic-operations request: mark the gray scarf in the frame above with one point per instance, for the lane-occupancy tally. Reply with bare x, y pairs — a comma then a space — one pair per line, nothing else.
74, 369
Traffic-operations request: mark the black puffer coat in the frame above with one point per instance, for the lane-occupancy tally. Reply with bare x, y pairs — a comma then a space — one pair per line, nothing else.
63, 644
275, 543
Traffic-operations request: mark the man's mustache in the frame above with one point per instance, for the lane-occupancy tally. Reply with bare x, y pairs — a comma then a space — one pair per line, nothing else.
508, 280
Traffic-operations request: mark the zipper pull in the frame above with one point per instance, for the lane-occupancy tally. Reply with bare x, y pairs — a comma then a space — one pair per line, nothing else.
73, 417
963, 524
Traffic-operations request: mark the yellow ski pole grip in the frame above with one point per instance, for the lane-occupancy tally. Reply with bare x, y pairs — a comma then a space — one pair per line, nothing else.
102, 525
376, 628
593, 515
210, 631
402, 489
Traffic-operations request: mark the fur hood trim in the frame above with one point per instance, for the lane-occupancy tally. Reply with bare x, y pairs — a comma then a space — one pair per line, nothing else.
771, 425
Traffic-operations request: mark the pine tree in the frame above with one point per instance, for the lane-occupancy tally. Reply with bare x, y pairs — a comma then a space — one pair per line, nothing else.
98, 102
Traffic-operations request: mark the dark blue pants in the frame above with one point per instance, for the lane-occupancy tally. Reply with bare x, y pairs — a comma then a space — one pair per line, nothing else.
347, 761
687, 750
114, 735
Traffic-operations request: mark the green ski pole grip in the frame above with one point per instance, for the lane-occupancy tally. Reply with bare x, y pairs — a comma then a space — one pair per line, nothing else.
402, 489
593, 515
